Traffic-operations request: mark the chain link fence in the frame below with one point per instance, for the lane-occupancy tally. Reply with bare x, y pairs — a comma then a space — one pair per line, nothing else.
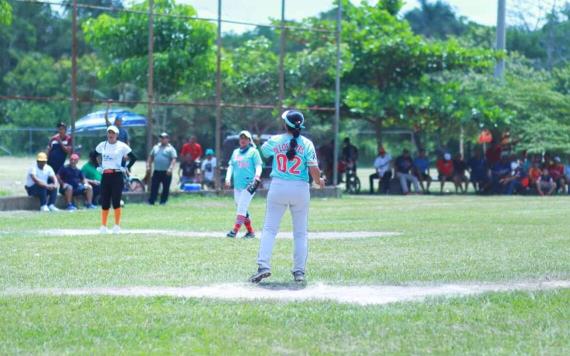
167, 62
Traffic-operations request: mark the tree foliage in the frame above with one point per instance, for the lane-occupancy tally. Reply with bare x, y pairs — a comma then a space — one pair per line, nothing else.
5, 13
182, 49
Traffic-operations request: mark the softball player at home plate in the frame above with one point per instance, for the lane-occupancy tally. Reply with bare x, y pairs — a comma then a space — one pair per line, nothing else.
245, 168
294, 159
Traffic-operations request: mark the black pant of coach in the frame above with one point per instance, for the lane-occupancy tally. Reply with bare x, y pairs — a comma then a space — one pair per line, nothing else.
158, 178
383, 184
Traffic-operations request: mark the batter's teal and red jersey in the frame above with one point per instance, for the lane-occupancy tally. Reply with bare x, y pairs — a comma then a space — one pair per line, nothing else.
298, 167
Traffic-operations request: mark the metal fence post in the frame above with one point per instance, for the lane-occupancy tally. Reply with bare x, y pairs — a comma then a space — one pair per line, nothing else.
218, 98
337, 92
282, 59
150, 84
73, 72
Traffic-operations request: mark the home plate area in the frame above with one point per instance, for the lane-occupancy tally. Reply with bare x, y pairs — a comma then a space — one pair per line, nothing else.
291, 292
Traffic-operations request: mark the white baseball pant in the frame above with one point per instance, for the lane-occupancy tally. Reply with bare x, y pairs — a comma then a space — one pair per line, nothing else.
242, 199
284, 194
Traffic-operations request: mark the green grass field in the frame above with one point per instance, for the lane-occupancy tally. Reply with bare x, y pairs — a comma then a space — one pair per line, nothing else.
441, 240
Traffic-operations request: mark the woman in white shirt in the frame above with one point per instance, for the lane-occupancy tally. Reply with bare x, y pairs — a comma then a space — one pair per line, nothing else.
112, 153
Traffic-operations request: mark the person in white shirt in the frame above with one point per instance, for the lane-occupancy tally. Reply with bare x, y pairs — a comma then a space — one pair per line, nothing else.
383, 167
42, 183
208, 168
112, 153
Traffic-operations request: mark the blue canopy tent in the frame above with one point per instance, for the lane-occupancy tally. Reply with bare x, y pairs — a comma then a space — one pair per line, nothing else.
95, 121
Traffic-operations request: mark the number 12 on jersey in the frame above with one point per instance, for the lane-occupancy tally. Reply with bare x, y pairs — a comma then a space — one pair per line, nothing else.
282, 161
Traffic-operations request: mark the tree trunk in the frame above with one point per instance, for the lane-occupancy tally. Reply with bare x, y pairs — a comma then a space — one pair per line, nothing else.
462, 141
378, 129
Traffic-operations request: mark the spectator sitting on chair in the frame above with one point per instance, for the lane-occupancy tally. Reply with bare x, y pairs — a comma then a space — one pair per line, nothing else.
499, 171
525, 162
404, 166
73, 183
163, 155
534, 173
545, 184
444, 170
350, 157
512, 182
478, 172
191, 148
421, 170
60, 145
382, 164
208, 169
92, 175
187, 171
41, 182
557, 171
459, 177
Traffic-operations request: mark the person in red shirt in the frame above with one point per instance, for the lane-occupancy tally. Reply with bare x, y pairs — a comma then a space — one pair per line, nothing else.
556, 171
190, 154
192, 148
445, 170
493, 153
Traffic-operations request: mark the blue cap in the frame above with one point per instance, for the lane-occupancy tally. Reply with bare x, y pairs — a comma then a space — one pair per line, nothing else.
294, 119
209, 151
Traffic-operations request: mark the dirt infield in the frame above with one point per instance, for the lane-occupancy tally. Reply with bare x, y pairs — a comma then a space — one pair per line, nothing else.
291, 292
333, 235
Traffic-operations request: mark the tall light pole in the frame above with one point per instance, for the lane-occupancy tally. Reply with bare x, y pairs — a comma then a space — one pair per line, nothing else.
282, 59
501, 37
218, 133
337, 93
150, 79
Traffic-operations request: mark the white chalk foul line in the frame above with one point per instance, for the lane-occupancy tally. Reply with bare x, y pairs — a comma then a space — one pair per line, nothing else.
332, 235
359, 295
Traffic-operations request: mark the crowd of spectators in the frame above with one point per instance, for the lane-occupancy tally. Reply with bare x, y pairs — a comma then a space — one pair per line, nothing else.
50, 174
496, 172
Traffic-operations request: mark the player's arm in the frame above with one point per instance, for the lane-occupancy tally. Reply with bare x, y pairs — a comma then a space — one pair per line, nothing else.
316, 175
229, 174
107, 122
267, 149
37, 181
258, 165
69, 147
313, 164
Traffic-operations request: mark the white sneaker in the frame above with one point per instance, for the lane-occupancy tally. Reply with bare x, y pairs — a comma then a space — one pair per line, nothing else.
44, 208
103, 229
53, 208
116, 229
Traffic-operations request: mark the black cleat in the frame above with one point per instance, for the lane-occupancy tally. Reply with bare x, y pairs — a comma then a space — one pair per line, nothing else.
261, 274
232, 234
299, 277
249, 235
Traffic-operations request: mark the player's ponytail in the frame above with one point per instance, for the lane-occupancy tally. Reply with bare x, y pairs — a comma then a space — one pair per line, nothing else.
294, 122
293, 143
